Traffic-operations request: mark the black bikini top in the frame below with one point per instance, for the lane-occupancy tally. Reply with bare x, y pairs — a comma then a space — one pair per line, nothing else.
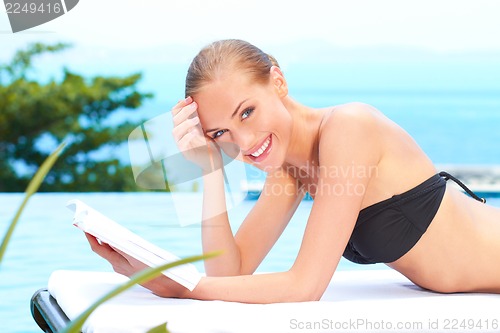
385, 231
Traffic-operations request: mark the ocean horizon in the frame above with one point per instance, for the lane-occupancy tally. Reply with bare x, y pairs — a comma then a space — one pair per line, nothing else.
451, 109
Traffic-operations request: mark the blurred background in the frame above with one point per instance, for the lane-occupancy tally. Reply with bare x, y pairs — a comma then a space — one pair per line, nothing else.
433, 67
94, 74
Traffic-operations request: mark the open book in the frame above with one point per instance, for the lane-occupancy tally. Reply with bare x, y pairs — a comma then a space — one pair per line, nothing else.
119, 237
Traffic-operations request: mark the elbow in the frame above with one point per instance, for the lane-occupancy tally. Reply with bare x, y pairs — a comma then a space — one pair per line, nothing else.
306, 290
303, 296
314, 295
222, 266
221, 272
227, 263
309, 295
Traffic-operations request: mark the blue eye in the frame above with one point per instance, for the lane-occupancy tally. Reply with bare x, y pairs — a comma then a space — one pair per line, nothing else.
217, 134
245, 114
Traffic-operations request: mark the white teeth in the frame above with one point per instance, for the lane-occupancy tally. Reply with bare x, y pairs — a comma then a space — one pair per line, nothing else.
262, 148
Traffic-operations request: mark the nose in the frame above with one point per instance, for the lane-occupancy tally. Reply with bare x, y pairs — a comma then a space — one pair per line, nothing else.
244, 139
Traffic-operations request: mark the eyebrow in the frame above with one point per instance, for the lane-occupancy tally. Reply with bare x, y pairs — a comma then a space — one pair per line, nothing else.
232, 116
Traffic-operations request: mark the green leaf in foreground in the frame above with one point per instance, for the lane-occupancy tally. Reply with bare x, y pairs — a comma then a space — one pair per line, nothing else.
30, 190
162, 328
76, 325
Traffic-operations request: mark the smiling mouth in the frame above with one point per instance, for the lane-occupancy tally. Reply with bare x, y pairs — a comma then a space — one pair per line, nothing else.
263, 150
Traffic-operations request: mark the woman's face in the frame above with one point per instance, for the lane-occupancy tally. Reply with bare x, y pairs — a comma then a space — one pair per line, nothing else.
251, 116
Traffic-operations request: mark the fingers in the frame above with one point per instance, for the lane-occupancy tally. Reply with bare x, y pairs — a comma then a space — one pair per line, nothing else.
185, 120
187, 126
95, 245
183, 110
121, 262
103, 249
182, 103
136, 264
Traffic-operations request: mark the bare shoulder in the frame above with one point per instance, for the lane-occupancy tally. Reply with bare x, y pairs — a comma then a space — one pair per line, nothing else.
359, 133
352, 123
354, 113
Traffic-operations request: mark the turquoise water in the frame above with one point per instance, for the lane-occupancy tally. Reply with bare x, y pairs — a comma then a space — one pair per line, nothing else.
45, 240
452, 127
451, 107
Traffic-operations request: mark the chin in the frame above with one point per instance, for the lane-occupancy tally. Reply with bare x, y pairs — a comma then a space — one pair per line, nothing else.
268, 166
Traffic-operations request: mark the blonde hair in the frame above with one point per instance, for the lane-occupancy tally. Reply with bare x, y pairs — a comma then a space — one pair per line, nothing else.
228, 54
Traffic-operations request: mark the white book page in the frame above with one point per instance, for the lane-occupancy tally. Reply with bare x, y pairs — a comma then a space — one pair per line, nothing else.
119, 237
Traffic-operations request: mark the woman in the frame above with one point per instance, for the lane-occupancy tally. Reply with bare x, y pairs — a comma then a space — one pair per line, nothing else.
377, 196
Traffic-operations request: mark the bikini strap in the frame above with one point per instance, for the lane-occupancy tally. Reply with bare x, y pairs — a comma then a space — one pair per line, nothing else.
447, 176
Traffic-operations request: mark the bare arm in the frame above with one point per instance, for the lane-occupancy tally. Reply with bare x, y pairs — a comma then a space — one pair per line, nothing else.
259, 231
261, 228
346, 142
216, 230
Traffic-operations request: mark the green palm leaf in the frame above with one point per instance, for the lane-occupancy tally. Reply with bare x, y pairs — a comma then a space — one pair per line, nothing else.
162, 328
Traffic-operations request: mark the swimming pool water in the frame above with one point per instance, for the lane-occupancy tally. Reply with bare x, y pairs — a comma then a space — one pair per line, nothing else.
45, 240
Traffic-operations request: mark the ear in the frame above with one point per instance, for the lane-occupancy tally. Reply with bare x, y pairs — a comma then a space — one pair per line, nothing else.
278, 81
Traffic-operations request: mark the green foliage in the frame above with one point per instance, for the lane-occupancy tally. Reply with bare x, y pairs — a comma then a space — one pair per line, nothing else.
74, 109
30, 190
150, 273
162, 328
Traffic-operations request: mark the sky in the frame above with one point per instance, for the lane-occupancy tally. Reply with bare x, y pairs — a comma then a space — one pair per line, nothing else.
107, 28
127, 36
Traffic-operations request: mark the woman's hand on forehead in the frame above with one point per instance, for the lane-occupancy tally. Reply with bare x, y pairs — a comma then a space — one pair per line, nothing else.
190, 138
